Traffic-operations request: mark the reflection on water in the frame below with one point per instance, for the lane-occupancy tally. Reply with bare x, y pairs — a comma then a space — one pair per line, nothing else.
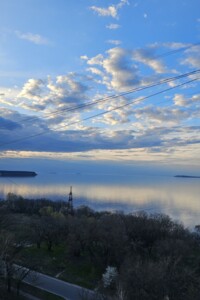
177, 197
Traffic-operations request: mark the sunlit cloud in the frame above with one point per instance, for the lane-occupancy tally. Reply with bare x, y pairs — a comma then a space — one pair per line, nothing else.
147, 57
182, 100
110, 11
119, 73
175, 155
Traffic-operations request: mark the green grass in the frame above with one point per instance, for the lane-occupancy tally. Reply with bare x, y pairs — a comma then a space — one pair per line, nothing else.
79, 271
49, 262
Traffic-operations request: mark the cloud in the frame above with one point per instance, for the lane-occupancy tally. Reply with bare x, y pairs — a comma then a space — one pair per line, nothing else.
33, 38
96, 60
7, 124
114, 42
192, 58
119, 67
147, 57
151, 128
32, 89
84, 57
32, 95
53, 94
145, 143
161, 115
119, 72
95, 71
123, 73
192, 61
113, 26
182, 100
116, 118
176, 45
110, 11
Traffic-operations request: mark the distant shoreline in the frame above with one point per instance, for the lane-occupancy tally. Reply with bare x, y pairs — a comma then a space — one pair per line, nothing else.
5, 173
186, 176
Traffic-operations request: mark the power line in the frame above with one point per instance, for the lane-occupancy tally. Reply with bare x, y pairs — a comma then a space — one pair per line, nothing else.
137, 89
114, 96
101, 113
127, 104
177, 50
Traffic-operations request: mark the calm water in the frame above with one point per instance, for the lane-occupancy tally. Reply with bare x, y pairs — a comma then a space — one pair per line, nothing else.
177, 197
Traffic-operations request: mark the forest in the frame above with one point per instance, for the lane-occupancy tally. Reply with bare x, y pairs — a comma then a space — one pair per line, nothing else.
136, 256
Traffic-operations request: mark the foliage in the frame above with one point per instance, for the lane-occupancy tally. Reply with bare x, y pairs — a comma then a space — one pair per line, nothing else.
145, 256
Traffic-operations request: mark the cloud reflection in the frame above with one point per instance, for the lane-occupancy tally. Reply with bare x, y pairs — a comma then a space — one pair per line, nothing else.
178, 198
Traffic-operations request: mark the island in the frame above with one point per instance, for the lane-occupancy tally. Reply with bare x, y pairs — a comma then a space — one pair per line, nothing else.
5, 173
186, 176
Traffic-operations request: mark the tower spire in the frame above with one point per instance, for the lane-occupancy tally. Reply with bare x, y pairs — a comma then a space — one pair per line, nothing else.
70, 202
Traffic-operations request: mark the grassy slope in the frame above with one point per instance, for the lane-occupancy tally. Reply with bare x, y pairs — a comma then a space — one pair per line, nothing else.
57, 263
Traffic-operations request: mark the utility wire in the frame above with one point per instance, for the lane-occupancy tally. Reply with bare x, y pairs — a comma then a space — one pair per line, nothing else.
113, 96
100, 114
137, 89
177, 50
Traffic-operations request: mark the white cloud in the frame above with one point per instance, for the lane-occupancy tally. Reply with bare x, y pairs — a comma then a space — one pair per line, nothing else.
192, 61
33, 38
95, 71
72, 83
84, 57
32, 89
110, 11
113, 26
96, 60
147, 57
161, 115
62, 92
182, 100
176, 45
118, 117
119, 71
192, 57
114, 42
123, 74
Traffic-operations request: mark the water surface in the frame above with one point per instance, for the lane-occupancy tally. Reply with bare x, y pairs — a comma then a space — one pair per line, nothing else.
114, 190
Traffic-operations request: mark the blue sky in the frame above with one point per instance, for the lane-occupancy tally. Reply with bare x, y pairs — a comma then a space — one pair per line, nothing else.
57, 55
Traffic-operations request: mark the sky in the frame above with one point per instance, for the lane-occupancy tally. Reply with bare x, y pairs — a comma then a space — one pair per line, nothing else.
100, 80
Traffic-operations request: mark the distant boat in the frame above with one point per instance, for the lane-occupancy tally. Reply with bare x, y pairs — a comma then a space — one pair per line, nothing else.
5, 173
186, 176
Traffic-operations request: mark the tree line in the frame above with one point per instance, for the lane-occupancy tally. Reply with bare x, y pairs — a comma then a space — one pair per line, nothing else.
136, 256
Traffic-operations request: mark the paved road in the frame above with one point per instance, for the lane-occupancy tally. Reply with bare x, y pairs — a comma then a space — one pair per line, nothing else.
53, 285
